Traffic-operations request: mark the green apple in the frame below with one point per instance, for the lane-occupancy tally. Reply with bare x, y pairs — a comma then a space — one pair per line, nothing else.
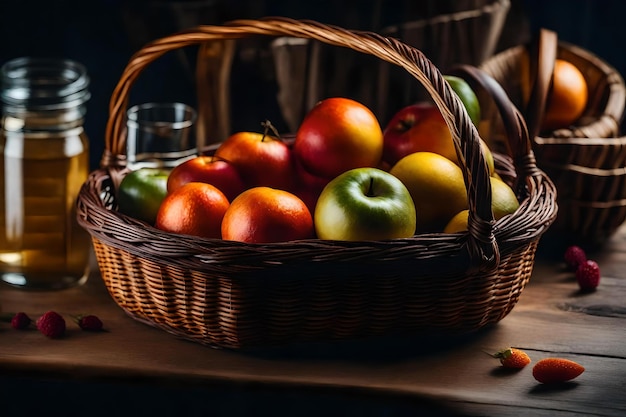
467, 95
141, 192
364, 204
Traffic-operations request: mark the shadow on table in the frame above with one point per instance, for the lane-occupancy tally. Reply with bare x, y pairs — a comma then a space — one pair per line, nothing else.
373, 349
28, 396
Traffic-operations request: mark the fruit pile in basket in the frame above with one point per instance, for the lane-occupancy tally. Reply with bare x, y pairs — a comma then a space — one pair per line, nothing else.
342, 177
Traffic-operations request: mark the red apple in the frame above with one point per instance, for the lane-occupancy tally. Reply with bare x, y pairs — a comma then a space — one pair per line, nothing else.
208, 169
262, 159
414, 128
308, 186
420, 127
336, 135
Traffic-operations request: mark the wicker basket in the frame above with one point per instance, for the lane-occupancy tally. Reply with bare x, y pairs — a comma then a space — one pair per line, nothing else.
589, 173
240, 296
447, 31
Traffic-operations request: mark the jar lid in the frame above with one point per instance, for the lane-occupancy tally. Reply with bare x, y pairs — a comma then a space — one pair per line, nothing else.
44, 83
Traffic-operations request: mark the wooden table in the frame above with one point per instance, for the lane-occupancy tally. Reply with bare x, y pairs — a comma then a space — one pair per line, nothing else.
134, 369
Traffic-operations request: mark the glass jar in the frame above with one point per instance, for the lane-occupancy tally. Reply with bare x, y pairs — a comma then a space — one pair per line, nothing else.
44, 162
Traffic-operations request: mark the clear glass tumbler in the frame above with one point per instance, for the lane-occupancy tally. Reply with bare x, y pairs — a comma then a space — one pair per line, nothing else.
160, 135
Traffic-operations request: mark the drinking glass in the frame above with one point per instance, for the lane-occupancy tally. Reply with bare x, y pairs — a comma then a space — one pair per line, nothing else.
160, 135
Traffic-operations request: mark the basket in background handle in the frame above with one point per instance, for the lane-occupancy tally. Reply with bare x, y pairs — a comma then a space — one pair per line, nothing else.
542, 57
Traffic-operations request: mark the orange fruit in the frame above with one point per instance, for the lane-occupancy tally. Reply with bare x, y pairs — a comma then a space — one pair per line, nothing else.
195, 209
267, 215
567, 97
436, 185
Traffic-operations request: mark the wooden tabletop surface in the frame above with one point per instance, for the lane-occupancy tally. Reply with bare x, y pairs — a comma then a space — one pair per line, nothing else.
436, 377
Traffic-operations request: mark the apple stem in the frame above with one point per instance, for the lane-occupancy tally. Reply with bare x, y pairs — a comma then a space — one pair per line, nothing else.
406, 125
267, 126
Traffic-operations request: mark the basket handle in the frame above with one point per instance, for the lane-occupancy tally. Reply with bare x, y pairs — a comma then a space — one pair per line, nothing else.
542, 53
482, 244
212, 83
519, 143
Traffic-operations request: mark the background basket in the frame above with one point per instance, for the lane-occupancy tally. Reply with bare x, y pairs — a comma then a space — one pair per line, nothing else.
446, 31
236, 295
450, 32
586, 161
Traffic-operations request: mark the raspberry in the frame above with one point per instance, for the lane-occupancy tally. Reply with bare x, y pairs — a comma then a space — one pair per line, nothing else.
89, 322
574, 257
588, 275
51, 324
20, 321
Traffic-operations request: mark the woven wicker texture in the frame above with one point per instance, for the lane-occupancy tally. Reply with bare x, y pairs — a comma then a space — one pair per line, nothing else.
450, 32
455, 32
236, 295
588, 173
607, 93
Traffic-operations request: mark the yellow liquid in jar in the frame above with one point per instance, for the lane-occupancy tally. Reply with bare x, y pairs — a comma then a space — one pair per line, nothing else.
41, 244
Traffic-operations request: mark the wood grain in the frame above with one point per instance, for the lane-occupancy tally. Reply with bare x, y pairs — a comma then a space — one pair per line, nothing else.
451, 374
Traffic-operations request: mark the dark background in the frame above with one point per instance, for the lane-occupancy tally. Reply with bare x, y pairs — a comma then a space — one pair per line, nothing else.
103, 34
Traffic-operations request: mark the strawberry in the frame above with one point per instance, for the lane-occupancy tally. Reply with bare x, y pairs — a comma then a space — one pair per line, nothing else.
588, 275
20, 321
89, 322
51, 324
512, 358
574, 257
555, 370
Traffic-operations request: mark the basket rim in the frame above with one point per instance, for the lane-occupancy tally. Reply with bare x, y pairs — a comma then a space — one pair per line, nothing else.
612, 112
535, 215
